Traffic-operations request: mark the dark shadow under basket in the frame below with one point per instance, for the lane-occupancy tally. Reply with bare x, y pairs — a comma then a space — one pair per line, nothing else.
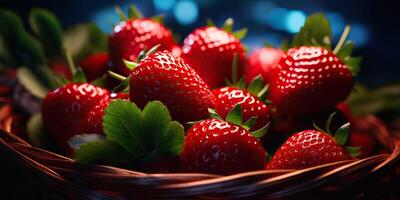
352, 179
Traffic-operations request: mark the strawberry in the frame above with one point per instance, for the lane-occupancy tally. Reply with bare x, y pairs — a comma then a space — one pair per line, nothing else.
210, 51
130, 37
95, 66
75, 108
364, 140
262, 62
309, 80
228, 97
218, 147
59, 67
307, 149
161, 76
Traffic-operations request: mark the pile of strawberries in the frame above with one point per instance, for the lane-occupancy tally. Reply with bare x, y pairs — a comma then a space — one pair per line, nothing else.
233, 107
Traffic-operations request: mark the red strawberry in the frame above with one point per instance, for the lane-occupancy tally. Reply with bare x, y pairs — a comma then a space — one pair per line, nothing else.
95, 66
364, 140
210, 51
218, 147
75, 108
263, 61
130, 37
307, 149
228, 97
59, 67
309, 80
161, 76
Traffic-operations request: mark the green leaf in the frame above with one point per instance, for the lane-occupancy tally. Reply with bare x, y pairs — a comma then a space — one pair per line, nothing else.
156, 119
175, 137
353, 151
264, 92
228, 25
129, 64
48, 29
256, 85
134, 12
342, 134
36, 133
346, 50
328, 123
241, 84
240, 34
102, 151
235, 115
261, 132
122, 124
353, 64
144, 135
285, 45
159, 18
316, 31
79, 76
213, 114
210, 22
31, 83
249, 123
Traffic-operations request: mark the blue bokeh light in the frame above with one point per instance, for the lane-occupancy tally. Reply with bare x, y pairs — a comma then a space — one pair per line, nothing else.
294, 21
105, 19
337, 24
359, 34
164, 5
276, 18
186, 12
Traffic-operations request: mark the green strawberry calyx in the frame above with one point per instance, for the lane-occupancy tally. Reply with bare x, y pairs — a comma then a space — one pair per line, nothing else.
228, 27
135, 13
316, 31
123, 86
256, 86
340, 136
235, 116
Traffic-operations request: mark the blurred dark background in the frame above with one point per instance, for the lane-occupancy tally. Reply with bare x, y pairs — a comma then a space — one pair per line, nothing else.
374, 24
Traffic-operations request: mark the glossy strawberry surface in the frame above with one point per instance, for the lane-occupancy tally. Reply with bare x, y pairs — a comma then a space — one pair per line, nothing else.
228, 97
163, 77
75, 108
262, 62
307, 149
130, 37
210, 51
309, 80
95, 66
218, 147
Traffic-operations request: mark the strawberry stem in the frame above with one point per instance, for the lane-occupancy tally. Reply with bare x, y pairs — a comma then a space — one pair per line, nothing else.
120, 13
70, 61
235, 68
342, 39
116, 76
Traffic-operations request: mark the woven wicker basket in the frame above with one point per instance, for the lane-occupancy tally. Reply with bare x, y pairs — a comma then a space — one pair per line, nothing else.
351, 179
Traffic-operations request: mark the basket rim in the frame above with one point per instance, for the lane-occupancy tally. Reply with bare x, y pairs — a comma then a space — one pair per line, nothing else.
66, 174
